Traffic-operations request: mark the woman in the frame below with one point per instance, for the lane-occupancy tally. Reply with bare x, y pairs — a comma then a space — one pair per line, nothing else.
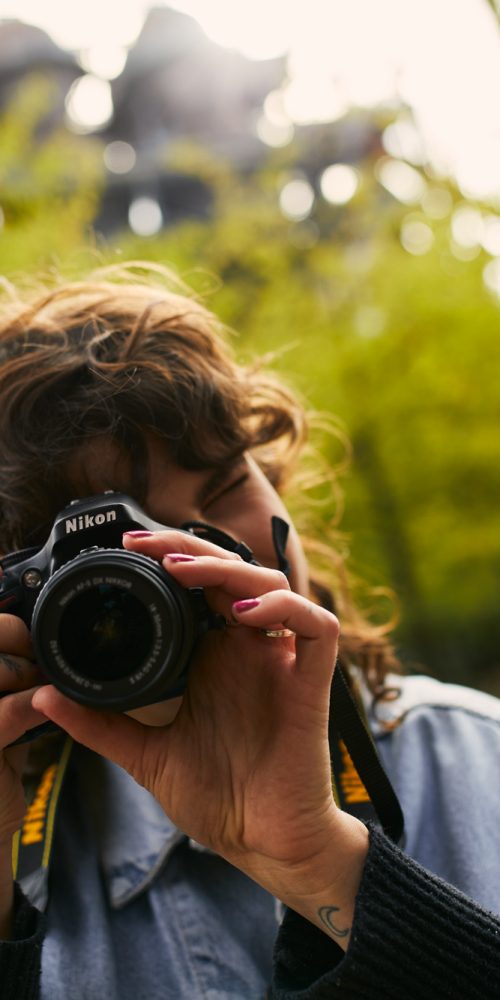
165, 886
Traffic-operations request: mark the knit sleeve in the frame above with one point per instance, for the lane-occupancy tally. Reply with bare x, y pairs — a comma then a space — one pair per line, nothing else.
20, 958
414, 936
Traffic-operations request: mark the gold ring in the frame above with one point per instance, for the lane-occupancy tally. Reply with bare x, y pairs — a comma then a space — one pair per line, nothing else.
277, 633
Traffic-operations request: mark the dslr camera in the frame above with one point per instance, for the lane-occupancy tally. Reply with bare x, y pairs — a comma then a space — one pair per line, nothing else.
110, 628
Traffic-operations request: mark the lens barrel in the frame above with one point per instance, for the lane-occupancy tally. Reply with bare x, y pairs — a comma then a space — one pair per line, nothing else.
111, 629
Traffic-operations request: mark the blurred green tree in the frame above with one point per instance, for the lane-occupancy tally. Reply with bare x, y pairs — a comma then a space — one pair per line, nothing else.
50, 185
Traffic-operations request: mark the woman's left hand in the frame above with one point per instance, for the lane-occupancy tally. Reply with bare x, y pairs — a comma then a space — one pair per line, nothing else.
244, 768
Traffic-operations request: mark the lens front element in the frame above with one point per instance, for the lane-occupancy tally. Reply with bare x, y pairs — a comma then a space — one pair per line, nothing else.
106, 632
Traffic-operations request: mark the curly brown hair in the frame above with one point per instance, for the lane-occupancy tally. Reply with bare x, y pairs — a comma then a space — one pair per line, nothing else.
125, 353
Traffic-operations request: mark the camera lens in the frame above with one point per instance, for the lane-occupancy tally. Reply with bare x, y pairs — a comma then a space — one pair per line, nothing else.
112, 629
105, 633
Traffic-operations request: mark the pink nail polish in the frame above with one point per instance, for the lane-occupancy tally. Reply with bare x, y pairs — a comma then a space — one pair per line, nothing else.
138, 534
251, 602
179, 557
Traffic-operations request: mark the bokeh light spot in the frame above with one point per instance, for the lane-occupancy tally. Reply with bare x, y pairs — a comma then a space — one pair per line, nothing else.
467, 226
464, 253
402, 140
399, 179
416, 236
119, 157
437, 202
145, 216
491, 235
89, 104
339, 183
274, 134
491, 276
296, 199
104, 59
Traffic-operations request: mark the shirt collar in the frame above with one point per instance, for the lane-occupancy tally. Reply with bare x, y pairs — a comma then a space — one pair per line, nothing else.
134, 836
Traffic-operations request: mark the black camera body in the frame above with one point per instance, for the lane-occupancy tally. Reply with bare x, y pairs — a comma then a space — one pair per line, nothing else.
110, 628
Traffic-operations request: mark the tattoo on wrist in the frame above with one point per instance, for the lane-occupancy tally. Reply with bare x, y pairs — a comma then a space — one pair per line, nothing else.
325, 914
11, 664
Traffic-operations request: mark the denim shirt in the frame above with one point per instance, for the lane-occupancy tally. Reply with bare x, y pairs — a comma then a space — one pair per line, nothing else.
443, 760
137, 910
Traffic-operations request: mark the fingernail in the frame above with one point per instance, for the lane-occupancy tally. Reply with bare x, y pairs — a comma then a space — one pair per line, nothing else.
179, 557
137, 534
252, 602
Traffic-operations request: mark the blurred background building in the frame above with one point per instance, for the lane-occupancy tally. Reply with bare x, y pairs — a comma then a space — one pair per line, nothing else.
27, 49
176, 87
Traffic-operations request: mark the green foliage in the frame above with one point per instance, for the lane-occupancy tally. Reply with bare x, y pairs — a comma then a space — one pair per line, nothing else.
50, 185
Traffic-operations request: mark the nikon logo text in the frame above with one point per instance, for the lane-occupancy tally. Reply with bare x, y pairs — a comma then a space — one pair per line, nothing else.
88, 521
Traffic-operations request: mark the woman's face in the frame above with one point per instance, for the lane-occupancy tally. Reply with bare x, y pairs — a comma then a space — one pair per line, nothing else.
240, 503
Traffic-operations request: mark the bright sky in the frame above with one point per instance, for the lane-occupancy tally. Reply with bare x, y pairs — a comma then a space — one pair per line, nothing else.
440, 56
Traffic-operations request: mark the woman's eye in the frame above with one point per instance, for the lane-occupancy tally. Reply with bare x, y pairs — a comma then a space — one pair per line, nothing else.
225, 489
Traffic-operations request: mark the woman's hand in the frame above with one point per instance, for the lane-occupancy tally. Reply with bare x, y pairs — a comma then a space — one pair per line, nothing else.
18, 675
244, 768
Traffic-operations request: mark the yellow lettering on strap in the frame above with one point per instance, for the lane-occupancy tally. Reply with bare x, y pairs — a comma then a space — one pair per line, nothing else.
32, 828
32, 833
352, 787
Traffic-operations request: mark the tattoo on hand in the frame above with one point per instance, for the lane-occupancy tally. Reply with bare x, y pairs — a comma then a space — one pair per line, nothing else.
11, 664
325, 914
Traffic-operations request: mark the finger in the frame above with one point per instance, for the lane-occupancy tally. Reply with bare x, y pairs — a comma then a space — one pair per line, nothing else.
15, 636
316, 630
17, 716
17, 673
114, 735
236, 579
156, 544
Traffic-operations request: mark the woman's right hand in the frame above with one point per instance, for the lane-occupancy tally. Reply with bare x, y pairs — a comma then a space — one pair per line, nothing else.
19, 676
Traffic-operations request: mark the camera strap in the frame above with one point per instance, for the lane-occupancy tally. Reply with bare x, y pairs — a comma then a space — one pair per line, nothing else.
32, 844
360, 784
279, 532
